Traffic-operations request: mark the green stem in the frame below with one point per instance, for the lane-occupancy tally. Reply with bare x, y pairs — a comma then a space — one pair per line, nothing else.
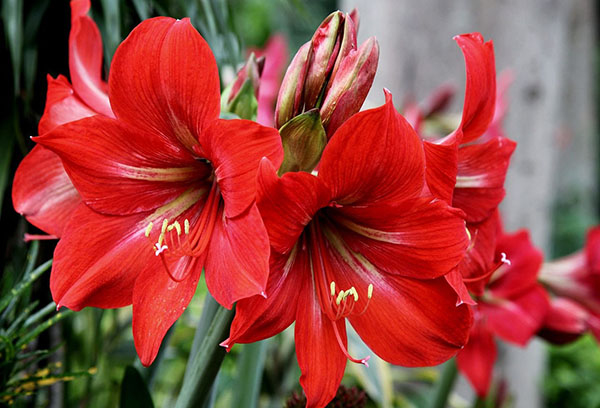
206, 356
444, 385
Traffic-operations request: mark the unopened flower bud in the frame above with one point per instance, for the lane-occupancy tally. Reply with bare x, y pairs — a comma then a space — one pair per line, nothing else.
240, 97
350, 85
329, 73
325, 49
289, 100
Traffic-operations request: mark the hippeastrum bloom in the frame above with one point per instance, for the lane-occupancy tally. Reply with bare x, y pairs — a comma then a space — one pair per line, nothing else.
512, 306
575, 281
467, 168
359, 241
168, 188
567, 320
42, 191
577, 276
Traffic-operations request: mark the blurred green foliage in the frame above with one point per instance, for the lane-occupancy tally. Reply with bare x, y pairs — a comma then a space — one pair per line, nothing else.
573, 373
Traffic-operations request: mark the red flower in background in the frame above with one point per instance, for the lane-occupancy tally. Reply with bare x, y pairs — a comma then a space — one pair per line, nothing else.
360, 241
168, 188
276, 55
575, 282
42, 191
512, 306
467, 168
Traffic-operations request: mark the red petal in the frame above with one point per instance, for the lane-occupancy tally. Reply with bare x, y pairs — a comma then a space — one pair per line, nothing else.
164, 80
257, 318
120, 170
98, 259
479, 261
592, 250
421, 238
383, 158
441, 168
517, 320
237, 263
564, 322
411, 322
158, 301
480, 91
476, 360
321, 360
455, 280
62, 105
42, 191
525, 263
235, 148
85, 59
480, 181
288, 204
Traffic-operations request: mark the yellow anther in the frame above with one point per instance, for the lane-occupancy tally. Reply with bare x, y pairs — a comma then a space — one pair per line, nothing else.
148, 229
348, 292
186, 226
163, 231
370, 291
332, 286
355, 293
170, 227
468, 234
340, 297
177, 227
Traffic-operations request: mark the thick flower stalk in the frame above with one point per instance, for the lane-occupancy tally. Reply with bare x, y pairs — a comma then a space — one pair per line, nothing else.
511, 306
361, 242
42, 191
167, 187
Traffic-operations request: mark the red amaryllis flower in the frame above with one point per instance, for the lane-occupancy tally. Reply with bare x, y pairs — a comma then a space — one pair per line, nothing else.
577, 276
468, 167
42, 191
575, 280
359, 241
512, 306
168, 188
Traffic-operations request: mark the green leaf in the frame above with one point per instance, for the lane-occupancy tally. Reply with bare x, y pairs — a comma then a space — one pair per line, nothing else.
16, 292
6, 148
206, 356
134, 392
250, 368
142, 8
12, 14
112, 28
39, 329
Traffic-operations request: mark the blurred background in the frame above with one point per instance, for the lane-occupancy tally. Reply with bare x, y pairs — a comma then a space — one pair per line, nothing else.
549, 48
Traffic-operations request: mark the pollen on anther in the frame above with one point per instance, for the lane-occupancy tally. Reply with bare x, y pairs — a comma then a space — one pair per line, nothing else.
468, 234
340, 297
148, 229
370, 291
186, 226
332, 286
177, 227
